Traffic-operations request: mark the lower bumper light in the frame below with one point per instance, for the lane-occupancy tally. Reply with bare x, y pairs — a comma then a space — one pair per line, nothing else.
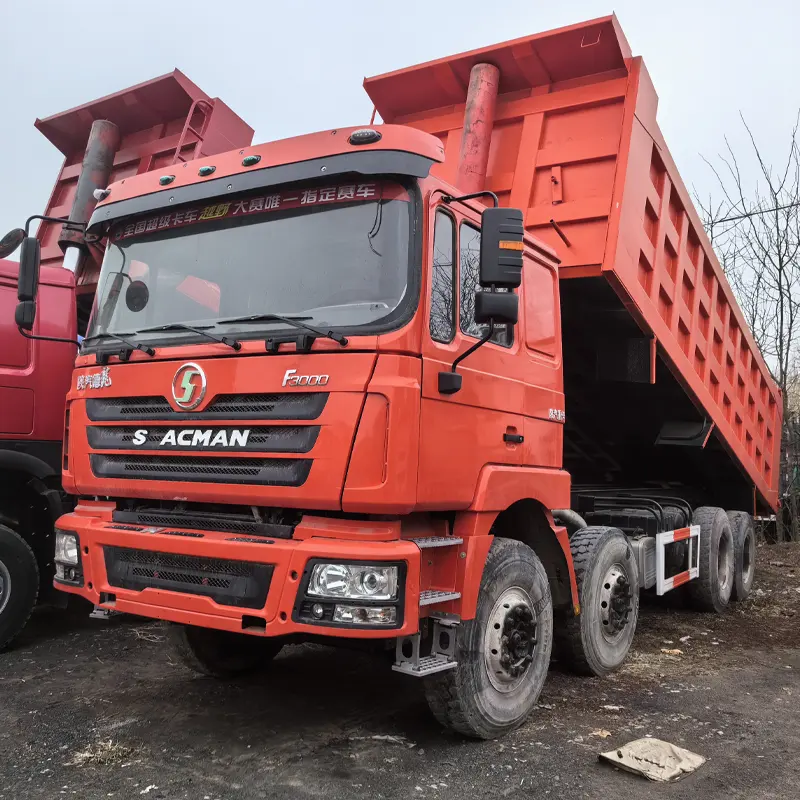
366, 615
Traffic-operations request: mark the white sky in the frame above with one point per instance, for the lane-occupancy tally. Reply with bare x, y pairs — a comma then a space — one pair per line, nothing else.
296, 66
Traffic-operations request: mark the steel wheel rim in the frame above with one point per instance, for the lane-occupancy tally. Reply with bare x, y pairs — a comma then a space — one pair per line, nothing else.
5, 587
616, 602
725, 564
510, 637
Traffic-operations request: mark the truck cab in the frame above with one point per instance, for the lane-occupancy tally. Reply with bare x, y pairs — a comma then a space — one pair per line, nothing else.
34, 379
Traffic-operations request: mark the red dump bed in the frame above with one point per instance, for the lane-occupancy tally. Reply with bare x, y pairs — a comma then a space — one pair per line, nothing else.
164, 121
576, 141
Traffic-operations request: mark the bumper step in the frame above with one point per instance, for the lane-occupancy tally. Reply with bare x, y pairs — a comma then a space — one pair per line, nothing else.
426, 665
410, 661
436, 541
431, 597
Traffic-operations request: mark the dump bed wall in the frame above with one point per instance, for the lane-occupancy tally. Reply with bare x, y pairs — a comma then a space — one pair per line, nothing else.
152, 118
576, 141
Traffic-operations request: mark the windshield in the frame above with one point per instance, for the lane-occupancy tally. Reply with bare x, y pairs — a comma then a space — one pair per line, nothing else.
333, 255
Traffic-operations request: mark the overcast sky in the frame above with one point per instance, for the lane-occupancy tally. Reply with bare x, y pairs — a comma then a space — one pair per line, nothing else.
294, 67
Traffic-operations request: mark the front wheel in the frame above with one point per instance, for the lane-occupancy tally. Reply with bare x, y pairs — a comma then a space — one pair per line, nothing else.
504, 653
221, 654
19, 584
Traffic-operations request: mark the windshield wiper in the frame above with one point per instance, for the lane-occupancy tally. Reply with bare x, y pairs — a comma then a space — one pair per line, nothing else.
201, 331
294, 321
133, 345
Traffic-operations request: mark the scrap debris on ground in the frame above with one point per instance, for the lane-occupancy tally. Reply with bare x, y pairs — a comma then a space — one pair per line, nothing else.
97, 709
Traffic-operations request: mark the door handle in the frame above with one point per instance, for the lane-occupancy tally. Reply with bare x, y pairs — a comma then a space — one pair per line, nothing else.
513, 438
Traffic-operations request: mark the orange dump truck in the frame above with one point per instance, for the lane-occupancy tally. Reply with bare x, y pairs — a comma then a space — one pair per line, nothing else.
463, 383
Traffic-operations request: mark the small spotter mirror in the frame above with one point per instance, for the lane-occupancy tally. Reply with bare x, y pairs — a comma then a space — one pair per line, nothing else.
11, 241
137, 296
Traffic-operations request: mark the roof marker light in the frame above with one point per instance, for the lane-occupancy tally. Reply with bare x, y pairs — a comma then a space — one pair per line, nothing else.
203, 171
364, 136
166, 180
249, 161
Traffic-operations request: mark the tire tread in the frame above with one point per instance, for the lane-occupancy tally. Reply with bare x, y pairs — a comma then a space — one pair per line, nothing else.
701, 591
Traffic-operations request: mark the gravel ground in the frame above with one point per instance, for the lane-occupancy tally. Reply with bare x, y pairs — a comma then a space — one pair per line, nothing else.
98, 709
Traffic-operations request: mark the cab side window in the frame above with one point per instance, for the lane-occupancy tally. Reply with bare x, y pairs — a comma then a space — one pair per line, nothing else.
443, 300
469, 266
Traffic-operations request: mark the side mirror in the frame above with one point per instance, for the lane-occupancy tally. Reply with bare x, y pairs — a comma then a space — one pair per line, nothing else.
25, 314
11, 241
27, 283
501, 248
502, 308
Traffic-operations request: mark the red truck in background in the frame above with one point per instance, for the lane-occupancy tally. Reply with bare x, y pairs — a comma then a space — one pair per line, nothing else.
463, 383
163, 121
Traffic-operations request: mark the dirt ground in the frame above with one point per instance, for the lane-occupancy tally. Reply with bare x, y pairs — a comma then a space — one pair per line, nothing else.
98, 710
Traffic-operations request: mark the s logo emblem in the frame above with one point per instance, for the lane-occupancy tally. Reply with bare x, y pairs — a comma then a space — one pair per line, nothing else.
189, 386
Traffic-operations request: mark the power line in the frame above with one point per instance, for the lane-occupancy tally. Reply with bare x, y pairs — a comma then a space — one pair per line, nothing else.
754, 213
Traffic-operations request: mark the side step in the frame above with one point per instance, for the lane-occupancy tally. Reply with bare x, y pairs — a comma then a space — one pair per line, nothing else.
443, 649
436, 541
432, 596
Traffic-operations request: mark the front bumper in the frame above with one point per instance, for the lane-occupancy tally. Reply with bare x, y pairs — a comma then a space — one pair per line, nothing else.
314, 538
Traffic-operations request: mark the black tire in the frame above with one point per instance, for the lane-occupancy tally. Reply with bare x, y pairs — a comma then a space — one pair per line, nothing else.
744, 540
19, 579
597, 641
221, 654
466, 699
711, 591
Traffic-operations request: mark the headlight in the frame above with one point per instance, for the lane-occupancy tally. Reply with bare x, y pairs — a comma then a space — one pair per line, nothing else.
66, 548
353, 581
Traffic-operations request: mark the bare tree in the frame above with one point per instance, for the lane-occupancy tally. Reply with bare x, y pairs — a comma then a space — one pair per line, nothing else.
754, 226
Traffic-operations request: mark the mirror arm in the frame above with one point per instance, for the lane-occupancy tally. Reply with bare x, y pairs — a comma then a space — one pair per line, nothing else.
64, 220
450, 381
48, 338
470, 350
450, 199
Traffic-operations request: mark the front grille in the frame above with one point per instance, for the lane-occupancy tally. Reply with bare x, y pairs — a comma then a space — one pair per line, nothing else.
256, 471
269, 439
298, 405
205, 521
229, 583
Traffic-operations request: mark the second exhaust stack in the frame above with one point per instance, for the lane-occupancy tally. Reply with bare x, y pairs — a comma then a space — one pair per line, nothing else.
473, 159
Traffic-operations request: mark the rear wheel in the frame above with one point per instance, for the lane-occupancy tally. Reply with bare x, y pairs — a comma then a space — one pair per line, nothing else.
19, 584
504, 653
711, 591
744, 540
598, 640
221, 654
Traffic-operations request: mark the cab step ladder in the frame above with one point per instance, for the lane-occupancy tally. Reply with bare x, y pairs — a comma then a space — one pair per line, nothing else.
443, 649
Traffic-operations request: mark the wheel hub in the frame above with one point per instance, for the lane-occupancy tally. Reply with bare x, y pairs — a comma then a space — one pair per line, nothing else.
615, 601
510, 640
5, 587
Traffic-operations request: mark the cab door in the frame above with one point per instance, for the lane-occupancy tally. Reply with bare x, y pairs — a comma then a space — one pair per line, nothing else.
483, 422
